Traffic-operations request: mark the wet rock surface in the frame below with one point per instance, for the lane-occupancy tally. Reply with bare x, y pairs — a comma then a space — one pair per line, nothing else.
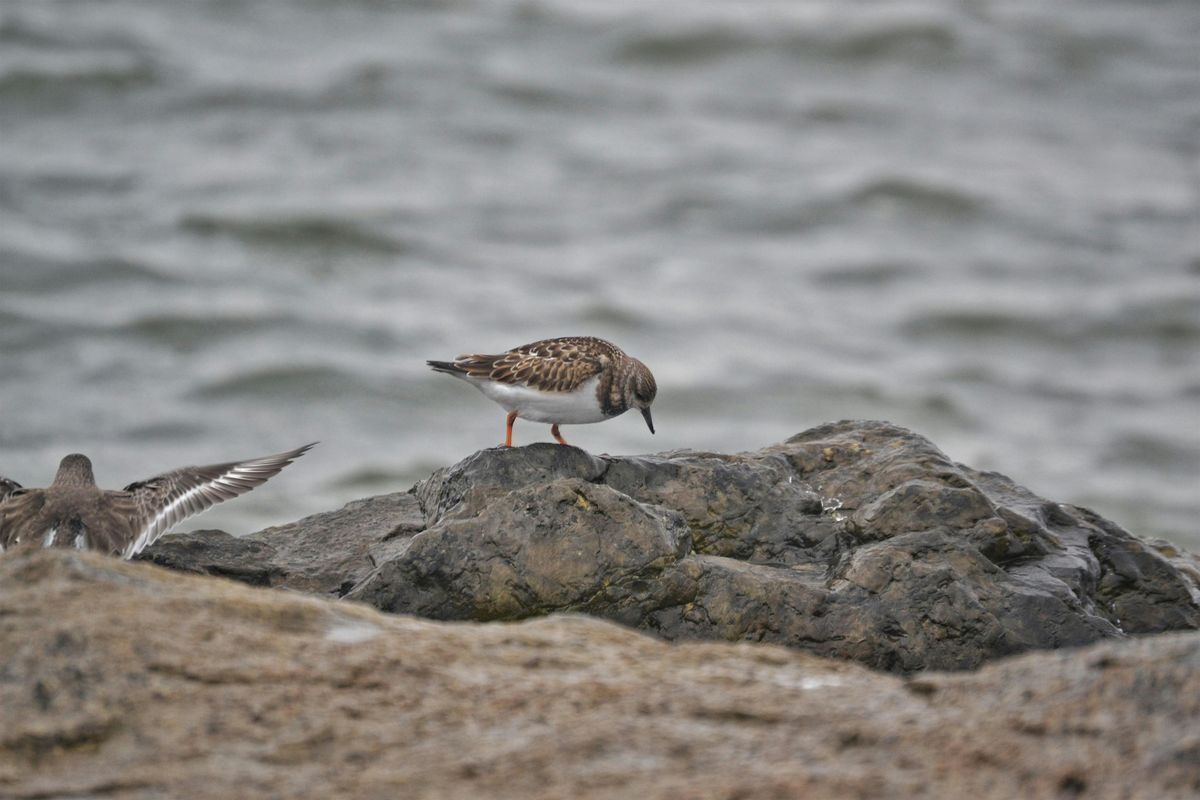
854, 540
559, 545
325, 554
124, 680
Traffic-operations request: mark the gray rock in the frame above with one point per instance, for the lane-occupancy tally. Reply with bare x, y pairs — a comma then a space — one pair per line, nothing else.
328, 553
745, 507
855, 540
323, 554
467, 487
564, 545
212, 552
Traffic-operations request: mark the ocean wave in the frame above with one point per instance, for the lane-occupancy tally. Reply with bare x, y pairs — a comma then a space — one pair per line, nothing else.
687, 47
1150, 452
871, 41
1168, 321
186, 333
910, 196
17, 31
63, 182
298, 232
918, 195
51, 61
981, 324
178, 430
375, 479
1162, 324
43, 83
365, 85
537, 94
20, 331
34, 273
293, 382
912, 40
877, 273
17, 330
613, 316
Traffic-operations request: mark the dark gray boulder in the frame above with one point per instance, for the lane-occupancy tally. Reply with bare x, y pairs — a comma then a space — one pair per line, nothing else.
324, 554
855, 540
212, 552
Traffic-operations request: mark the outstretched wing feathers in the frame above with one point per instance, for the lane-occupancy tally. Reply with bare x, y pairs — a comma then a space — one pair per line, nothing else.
162, 502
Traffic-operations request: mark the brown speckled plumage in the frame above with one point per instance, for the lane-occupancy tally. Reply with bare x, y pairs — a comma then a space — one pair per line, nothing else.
552, 365
564, 366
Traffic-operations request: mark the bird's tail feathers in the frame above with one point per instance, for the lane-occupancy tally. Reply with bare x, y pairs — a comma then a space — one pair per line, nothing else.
448, 367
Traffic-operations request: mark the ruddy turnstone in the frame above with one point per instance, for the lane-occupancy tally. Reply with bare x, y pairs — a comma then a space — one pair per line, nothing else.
569, 381
74, 512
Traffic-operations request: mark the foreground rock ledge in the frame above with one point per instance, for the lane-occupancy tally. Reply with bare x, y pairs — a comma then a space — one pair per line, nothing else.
855, 540
125, 680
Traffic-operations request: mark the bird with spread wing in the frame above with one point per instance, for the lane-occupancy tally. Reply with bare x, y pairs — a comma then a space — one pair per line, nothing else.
74, 512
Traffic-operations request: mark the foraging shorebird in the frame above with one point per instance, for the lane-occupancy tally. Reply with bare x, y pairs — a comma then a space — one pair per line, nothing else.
569, 381
74, 512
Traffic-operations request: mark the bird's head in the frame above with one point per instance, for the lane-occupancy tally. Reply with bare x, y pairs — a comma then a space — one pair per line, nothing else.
75, 470
640, 390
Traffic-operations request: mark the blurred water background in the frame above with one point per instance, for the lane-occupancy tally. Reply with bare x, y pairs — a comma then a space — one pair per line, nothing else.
228, 228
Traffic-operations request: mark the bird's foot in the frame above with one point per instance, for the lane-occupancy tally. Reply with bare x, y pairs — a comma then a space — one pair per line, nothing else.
557, 436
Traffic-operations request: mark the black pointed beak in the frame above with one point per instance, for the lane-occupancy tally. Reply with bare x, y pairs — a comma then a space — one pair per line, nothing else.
649, 421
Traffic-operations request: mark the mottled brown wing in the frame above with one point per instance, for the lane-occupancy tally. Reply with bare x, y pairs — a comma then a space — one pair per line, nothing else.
162, 502
19, 508
551, 365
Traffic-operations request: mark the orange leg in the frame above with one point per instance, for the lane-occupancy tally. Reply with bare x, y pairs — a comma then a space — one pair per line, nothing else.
512, 417
557, 436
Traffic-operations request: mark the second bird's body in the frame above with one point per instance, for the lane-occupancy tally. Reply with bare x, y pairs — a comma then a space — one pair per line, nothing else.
74, 512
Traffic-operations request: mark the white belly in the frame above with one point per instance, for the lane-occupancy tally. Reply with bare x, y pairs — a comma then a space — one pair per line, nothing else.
562, 408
